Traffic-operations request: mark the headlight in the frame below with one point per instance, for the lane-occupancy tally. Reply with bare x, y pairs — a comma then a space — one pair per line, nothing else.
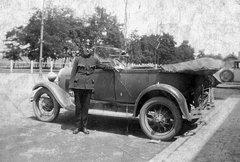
51, 76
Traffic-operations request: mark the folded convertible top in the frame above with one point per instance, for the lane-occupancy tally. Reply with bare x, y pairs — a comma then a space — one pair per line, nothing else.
201, 66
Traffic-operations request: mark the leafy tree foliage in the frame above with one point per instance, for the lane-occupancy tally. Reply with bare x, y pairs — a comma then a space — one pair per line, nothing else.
13, 54
184, 52
148, 47
107, 29
100, 28
64, 33
145, 49
134, 48
166, 49
57, 24
14, 47
201, 54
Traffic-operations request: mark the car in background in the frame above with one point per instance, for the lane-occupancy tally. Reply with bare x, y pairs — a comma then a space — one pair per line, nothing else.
229, 75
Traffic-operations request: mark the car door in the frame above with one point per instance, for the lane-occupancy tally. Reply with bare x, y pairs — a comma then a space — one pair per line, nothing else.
104, 85
129, 83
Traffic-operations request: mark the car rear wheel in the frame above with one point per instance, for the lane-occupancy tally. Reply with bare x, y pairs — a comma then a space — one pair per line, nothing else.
45, 106
160, 119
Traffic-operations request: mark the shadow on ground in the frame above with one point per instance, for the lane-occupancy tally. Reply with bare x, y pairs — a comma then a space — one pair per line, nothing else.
116, 125
108, 124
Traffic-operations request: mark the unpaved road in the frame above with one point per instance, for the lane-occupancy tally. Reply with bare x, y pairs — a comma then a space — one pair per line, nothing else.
24, 138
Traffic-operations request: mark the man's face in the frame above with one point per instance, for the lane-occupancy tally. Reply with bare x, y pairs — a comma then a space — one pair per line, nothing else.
86, 50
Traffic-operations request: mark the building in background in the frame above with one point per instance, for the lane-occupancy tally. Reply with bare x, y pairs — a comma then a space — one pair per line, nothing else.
229, 60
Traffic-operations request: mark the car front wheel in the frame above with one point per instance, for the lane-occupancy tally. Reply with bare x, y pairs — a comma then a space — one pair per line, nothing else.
160, 119
45, 106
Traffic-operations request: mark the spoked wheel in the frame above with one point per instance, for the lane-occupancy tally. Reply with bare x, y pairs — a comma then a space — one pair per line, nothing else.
45, 106
203, 98
160, 119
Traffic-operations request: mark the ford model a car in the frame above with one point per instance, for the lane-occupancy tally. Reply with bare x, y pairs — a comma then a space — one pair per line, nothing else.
160, 97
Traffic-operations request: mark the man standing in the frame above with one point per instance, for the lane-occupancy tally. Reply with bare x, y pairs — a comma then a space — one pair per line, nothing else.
82, 83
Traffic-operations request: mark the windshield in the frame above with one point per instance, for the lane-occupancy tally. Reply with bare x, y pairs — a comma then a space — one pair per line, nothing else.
110, 55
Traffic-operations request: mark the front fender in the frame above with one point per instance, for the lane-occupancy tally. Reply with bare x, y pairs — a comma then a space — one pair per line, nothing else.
170, 90
62, 97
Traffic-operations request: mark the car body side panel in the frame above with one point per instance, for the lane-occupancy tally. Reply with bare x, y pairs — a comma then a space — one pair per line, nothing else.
129, 83
183, 82
126, 85
104, 85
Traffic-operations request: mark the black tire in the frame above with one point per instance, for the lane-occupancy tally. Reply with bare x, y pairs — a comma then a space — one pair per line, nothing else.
226, 75
160, 119
45, 106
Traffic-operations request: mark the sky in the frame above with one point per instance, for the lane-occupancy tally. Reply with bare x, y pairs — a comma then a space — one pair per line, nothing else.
212, 25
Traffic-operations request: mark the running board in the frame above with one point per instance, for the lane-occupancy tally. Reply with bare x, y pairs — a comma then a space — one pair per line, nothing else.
110, 113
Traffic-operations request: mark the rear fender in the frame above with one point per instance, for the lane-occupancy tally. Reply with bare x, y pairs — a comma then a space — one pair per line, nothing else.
174, 92
62, 97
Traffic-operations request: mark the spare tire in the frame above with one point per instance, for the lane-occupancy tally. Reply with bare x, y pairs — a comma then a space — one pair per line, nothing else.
226, 75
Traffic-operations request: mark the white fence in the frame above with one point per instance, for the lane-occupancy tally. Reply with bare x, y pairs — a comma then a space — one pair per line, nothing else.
31, 66
49, 66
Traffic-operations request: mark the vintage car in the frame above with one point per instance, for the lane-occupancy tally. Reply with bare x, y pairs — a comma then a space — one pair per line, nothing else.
161, 97
229, 74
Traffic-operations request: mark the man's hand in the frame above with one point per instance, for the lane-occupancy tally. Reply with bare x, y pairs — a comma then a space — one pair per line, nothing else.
114, 69
71, 92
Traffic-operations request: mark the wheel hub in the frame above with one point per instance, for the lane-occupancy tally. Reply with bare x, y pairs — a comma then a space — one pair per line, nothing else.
47, 104
158, 118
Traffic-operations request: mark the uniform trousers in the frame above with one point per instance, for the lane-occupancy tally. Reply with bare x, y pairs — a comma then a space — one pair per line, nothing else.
82, 103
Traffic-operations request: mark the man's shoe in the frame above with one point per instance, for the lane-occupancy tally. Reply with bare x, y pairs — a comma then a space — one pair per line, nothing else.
76, 131
85, 131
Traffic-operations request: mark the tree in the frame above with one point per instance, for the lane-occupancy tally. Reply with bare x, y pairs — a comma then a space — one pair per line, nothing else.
134, 48
202, 54
100, 28
14, 44
148, 47
143, 49
14, 53
57, 24
166, 49
184, 52
64, 33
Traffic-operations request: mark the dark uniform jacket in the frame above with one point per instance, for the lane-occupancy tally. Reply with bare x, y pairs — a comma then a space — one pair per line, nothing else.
82, 72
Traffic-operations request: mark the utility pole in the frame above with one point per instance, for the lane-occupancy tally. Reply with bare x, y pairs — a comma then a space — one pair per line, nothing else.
41, 41
159, 42
125, 23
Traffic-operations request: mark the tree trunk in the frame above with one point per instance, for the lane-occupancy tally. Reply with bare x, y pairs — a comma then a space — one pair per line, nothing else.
64, 63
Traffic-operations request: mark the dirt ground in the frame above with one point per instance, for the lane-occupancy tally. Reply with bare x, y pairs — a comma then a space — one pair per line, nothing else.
24, 138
